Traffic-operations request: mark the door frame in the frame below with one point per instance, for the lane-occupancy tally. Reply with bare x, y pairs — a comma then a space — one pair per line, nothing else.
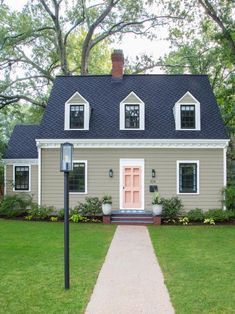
131, 162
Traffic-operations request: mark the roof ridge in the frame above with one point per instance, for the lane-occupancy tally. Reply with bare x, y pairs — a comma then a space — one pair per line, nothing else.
149, 75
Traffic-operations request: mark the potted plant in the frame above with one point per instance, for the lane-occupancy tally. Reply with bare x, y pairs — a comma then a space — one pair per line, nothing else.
157, 204
107, 204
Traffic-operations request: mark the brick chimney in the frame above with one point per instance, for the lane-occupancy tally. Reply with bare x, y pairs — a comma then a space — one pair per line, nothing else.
117, 64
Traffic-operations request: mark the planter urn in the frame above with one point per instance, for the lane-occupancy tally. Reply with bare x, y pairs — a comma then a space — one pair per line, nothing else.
157, 209
107, 209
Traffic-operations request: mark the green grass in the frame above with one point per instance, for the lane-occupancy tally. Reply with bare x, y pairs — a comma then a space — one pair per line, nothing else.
32, 269
199, 267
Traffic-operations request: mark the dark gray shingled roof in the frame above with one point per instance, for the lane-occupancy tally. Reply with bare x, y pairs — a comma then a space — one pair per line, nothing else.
22, 142
158, 92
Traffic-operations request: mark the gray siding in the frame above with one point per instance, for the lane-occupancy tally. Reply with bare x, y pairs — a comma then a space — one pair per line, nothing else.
34, 182
162, 160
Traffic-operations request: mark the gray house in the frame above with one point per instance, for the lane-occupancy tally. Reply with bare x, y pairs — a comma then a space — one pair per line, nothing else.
132, 134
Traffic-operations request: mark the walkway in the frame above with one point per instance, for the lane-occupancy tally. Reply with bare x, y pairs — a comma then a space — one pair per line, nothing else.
130, 281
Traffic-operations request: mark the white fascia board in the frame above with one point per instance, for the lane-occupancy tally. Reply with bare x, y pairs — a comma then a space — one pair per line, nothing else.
20, 161
77, 93
189, 94
137, 101
136, 143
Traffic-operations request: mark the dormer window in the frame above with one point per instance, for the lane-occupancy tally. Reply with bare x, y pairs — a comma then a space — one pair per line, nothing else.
76, 116
132, 116
187, 113
132, 113
187, 116
76, 113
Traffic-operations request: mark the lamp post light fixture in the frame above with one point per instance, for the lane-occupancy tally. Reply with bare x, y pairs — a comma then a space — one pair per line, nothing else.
66, 165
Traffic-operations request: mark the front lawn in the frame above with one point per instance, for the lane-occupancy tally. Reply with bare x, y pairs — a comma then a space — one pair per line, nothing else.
32, 269
199, 266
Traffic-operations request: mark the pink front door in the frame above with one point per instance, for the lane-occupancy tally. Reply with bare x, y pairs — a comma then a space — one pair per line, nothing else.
132, 187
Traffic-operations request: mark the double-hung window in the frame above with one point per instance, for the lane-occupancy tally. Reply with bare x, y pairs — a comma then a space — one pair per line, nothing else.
77, 113
187, 113
22, 178
132, 116
76, 116
188, 176
78, 177
132, 113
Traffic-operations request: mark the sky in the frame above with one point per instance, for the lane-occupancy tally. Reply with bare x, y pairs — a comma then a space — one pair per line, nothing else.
130, 45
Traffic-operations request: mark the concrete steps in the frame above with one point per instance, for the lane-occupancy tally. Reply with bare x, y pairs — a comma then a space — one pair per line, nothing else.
132, 217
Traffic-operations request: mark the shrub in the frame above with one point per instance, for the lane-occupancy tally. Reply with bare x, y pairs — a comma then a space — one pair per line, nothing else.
15, 205
91, 207
219, 215
77, 218
40, 212
184, 221
60, 214
195, 215
107, 199
156, 199
54, 219
229, 196
171, 207
209, 221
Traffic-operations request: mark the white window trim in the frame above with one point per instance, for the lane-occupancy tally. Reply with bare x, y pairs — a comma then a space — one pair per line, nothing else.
86, 192
22, 165
131, 162
177, 113
68, 104
178, 162
5, 180
125, 102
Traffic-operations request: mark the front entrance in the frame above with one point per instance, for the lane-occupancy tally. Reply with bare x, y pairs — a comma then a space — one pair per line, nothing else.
131, 184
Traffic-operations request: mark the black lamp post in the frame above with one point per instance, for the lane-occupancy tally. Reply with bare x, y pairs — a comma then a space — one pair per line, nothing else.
66, 165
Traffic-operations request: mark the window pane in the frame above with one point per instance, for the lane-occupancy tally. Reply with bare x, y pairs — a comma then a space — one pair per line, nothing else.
22, 178
188, 178
77, 117
132, 116
77, 178
187, 116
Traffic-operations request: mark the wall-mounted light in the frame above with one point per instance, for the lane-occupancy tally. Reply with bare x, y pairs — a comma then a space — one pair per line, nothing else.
153, 173
110, 173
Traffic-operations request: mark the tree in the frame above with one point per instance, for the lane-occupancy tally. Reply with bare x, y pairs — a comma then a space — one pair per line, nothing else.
44, 39
203, 44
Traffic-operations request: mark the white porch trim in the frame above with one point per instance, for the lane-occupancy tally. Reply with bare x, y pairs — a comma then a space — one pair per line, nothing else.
131, 162
20, 161
5, 179
134, 143
39, 175
225, 171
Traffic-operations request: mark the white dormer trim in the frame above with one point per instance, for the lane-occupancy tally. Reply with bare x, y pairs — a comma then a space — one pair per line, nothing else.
131, 99
79, 101
177, 112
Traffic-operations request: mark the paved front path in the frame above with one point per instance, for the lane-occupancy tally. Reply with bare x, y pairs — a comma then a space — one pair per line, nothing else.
130, 280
